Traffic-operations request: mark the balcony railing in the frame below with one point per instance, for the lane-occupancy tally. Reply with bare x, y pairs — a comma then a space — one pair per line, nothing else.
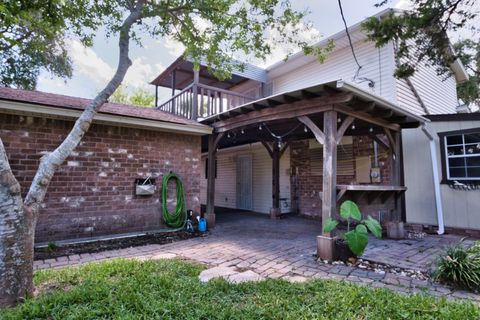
202, 101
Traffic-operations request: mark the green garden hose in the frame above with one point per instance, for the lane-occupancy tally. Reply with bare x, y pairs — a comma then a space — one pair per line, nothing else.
178, 218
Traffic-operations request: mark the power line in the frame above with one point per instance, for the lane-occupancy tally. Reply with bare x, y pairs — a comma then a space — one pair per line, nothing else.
371, 83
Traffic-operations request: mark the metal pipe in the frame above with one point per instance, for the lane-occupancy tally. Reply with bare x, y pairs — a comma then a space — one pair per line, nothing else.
436, 180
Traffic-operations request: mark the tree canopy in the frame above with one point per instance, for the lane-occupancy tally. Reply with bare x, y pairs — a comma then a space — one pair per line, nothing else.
139, 97
420, 37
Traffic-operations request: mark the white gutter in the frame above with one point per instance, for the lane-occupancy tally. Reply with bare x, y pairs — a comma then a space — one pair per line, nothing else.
117, 120
436, 181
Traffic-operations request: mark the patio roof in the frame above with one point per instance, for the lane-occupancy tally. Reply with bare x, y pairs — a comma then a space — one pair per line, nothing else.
183, 69
362, 101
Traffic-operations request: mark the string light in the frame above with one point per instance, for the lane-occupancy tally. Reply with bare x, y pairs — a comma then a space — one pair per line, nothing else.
260, 127
243, 131
371, 129
228, 135
305, 129
353, 126
339, 119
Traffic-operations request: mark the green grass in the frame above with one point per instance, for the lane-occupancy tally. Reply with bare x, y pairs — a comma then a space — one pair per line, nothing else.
125, 289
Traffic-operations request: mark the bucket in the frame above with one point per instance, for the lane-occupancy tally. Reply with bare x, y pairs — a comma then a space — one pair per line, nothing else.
202, 225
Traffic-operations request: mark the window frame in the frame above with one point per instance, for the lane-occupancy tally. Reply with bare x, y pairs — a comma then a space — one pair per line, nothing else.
446, 179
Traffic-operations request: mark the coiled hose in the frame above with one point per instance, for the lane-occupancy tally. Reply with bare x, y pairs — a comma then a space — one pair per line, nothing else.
178, 218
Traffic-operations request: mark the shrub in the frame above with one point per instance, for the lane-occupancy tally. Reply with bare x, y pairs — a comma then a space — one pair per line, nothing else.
459, 266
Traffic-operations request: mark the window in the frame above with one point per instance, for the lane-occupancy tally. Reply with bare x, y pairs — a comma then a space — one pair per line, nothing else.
461, 155
345, 160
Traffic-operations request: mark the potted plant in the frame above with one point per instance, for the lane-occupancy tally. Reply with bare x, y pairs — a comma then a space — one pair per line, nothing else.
353, 242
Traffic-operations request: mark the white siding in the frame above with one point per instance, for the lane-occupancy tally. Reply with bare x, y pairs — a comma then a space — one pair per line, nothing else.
377, 64
439, 94
461, 208
225, 184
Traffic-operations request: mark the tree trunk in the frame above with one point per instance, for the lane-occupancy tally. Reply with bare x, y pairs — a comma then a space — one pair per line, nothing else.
16, 238
18, 219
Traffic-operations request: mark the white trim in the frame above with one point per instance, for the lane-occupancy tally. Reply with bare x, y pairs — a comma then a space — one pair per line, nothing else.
436, 180
118, 120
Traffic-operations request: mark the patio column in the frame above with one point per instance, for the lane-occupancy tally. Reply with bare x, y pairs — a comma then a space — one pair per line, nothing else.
213, 141
196, 80
329, 192
275, 211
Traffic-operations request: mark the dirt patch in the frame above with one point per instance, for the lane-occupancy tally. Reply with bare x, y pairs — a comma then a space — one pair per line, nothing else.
113, 244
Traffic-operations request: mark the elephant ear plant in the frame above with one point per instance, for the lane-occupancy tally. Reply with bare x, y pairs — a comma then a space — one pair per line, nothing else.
356, 238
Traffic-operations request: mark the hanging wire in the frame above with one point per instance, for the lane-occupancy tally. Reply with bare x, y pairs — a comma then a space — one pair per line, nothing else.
278, 136
356, 78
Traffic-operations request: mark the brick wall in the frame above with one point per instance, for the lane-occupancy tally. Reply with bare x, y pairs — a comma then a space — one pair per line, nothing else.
92, 193
306, 187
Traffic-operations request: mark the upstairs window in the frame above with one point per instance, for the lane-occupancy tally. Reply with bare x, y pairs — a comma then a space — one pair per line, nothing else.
461, 155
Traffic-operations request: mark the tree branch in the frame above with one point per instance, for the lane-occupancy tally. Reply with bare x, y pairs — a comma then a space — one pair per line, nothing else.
50, 162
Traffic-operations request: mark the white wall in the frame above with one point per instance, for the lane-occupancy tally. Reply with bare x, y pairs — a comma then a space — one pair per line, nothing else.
377, 64
225, 184
461, 208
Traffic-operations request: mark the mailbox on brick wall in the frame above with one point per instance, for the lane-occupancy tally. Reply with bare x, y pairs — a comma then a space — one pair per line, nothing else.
145, 187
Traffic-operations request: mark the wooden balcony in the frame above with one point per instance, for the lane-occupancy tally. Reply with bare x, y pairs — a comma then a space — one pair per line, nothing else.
199, 101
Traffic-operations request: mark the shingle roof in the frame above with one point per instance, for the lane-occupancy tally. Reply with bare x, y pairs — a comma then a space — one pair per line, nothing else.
68, 102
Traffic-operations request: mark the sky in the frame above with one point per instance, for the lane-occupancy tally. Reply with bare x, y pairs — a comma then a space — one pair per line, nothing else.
93, 67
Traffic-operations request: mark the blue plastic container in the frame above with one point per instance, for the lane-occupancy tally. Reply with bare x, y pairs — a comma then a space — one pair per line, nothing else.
202, 225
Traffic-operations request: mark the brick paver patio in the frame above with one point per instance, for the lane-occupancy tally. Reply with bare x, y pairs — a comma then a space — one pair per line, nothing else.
285, 249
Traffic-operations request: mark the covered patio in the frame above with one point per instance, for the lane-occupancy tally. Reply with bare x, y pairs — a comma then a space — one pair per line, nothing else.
326, 112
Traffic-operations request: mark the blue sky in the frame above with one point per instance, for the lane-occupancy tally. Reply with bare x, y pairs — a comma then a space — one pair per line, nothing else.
94, 66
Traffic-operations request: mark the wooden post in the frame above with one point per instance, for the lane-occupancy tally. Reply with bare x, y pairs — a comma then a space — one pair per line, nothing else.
397, 173
196, 78
329, 192
275, 211
213, 141
174, 84
156, 96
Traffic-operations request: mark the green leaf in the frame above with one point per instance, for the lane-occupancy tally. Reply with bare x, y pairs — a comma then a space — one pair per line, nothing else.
349, 209
374, 226
330, 224
357, 239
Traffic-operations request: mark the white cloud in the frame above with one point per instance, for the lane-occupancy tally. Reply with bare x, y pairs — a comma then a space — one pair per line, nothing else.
281, 49
404, 4
88, 64
173, 47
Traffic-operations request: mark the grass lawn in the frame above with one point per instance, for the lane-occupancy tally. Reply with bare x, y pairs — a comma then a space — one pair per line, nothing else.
170, 289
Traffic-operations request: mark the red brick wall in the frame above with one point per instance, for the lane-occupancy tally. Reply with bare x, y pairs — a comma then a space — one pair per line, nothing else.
92, 193
308, 186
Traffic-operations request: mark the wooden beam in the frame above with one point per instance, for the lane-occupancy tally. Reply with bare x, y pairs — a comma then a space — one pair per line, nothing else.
366, 117
284, 111
275, 176
211, 175
268, 147
329, 190
319, 135
384, 114
343, 128
391, 140
380, 141
284, 147
364, 107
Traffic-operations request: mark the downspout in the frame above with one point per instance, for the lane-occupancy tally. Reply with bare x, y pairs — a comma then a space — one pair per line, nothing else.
436, 180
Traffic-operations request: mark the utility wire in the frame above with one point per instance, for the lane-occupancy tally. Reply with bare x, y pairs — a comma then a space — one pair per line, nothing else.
371, 83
